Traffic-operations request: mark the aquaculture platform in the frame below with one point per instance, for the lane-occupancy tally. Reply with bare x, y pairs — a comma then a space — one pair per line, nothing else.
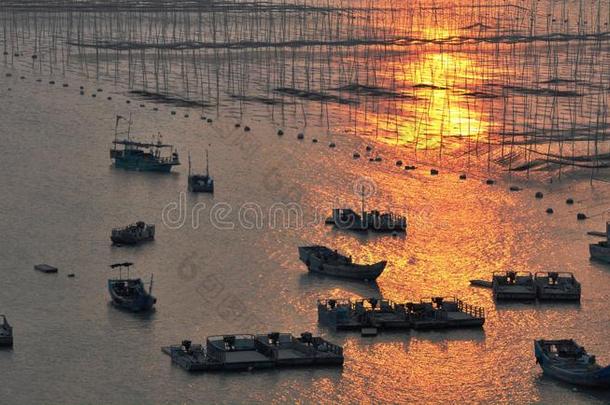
433, 313
249, 352
512, 285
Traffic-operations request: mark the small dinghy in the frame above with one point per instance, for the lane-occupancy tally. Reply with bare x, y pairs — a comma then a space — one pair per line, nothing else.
133, 234
320, 259
201, 183
130, 294
567, 361
6, 333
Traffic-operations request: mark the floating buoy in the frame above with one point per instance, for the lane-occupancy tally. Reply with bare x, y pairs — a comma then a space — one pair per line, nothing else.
16, 53
399, 163
371, 160
490, 181
94, 95
22, 77
209, 120
142, 105
280, 132
203, 118
246, 129
155, 109
378, 159
410, 168
186, 115
109, 98
100, 90
331, 145
237, 125
569, 201
34, 56
433, 172
71, 275
462, 176
9, 89
369, 148
65, 85
173, 113
38, 80
5, 53
82, 88
514, 188
8, 75
549, 210
580, 216
356, 155
82, 93
315, 140
128, 101
539, 194
300, 136
51, 81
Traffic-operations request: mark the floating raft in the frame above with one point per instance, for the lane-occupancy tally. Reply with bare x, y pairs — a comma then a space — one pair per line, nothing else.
513, 285
249, 352
45, 268
433, 313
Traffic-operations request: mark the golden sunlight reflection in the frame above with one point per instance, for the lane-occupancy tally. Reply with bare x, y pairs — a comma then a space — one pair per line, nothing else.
443, 104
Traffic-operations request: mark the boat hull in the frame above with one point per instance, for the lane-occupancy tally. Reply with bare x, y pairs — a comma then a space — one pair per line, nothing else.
598, 252
142, 166
598, 378
140, 303
129, 239
6, 341
352, 271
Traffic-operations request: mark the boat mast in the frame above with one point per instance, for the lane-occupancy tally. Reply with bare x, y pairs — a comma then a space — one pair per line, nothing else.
207, 168
189, 164
362, 196
151, 284
129, 128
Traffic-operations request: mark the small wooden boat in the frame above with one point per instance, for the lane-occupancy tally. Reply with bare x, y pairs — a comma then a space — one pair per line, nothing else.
248, 352
133, 234
45, 268
567, 361
320, 259
130, 294
201, 183
6, 333
554, 285
601, 250
513, 285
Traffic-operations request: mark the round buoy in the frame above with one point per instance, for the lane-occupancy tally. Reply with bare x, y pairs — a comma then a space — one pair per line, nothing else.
462, 176
38, 80
569, 201
490, 181
17, 54
378, 159
22, 77
52, 82
82, 88
237, 125
34, 56
300, 136
186, 115
369, 148
539, 194
71, 275
128, 101
173, 113
433, 172
280, 132
399, 163
100, 90
203, 118
315, 140
330, 145
94, 95
356, 155
109, 98
142, 106
155, 109
8, 74
549, 211
210, 120
246, 129
5, 53
65, 85
580, 216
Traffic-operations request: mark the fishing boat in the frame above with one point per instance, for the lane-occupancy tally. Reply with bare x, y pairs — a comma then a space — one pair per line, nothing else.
322, 260
513, 285
201, 183
601, 250
559, 286
133, 234
249, 352
141, 156
565, 360
128, 293
6, 333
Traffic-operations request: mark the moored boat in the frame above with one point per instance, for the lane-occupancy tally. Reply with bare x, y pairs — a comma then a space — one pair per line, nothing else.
134, 156
133, 234
374, 221
601, 250
513, 285
322, 260
6, 333
565, 360
559, 286
128, 293
201, 183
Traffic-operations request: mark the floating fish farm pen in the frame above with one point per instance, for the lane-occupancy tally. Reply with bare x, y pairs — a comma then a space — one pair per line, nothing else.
248, 352
512, 285
432, 313
557, 286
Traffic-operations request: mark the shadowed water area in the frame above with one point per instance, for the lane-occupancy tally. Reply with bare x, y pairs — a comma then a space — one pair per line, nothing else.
511, 92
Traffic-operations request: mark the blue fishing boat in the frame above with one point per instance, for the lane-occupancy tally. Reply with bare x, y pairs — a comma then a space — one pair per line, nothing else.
201, 183
128, 293
141, 156
567, 361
